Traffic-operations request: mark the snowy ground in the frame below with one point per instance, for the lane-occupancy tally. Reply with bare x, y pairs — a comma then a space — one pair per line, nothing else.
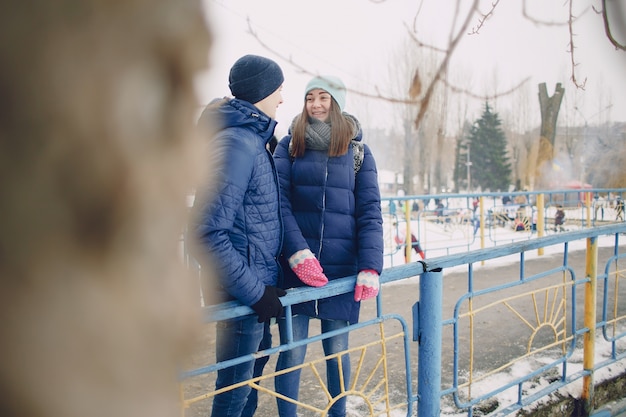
457, 234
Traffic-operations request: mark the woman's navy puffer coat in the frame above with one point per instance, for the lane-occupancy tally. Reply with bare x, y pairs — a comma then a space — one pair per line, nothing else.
237, 219
336, 214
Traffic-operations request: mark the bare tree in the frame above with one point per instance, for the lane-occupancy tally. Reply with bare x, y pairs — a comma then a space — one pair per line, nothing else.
520, 138
420, 93
549, 106
423, 147
402, 72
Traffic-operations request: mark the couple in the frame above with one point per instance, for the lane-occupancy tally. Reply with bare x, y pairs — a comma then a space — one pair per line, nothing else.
310, 204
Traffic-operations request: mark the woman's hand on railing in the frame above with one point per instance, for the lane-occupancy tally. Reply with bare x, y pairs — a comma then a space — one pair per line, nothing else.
308, 268
367, 285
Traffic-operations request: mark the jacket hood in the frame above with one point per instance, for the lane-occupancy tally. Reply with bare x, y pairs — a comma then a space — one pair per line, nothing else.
222, 113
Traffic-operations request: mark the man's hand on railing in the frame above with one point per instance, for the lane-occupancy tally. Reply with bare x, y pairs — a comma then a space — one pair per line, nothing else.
269, 305
367, 285
308, 268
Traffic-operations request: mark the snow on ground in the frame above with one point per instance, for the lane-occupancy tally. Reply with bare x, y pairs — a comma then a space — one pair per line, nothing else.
527, 366
458, 237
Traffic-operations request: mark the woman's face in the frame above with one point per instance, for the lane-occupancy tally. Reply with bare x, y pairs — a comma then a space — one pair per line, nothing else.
318, 104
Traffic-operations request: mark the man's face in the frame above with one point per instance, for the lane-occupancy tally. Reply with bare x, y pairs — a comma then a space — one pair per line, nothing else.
270, 103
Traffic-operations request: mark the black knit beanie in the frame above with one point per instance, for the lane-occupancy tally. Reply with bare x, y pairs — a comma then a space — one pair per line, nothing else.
253, 77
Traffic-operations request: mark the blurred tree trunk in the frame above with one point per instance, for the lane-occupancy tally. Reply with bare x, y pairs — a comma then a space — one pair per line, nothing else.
98, 151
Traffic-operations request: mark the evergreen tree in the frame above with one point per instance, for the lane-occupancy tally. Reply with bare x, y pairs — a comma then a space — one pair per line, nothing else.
490, 169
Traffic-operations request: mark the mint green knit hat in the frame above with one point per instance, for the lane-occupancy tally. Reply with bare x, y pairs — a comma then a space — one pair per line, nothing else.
332, 85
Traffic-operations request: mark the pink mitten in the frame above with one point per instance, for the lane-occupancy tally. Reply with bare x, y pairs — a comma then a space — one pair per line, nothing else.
366, 285
308, 268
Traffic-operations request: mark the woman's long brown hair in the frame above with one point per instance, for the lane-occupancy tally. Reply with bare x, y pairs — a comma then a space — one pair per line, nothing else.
341, 132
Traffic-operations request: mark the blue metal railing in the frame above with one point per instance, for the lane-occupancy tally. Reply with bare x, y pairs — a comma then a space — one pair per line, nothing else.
428, 320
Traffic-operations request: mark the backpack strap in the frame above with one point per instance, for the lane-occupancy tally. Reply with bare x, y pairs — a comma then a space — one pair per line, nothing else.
359, 152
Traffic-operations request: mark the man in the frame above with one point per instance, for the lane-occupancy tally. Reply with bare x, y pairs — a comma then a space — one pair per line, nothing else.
237, 219
619, 207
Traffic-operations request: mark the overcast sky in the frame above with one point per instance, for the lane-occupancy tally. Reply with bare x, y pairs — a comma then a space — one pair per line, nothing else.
356, 39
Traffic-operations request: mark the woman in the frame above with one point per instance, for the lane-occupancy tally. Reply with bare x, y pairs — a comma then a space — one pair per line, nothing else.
333, 228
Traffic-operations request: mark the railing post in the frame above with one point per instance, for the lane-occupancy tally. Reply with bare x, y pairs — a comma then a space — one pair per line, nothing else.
540, 219
590, 322
429, 341
408, 241
482, 221
588, 208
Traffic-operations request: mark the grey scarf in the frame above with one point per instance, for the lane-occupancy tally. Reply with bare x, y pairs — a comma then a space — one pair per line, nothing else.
317, 135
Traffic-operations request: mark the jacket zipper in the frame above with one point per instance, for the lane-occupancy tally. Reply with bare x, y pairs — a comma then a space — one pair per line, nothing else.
319, 253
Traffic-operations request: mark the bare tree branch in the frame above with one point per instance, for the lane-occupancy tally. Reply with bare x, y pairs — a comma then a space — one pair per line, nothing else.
572, 45
486, 97
540, 22
570, 24
303, 70
423, 105
484, 18
607, 29
423, 102
417, 13
421, 44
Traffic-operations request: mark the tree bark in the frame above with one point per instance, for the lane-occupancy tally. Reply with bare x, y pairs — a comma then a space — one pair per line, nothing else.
549, 106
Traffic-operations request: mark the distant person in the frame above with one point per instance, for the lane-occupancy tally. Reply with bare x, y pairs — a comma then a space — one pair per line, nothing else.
401, 241
476, 222
475, 204
392, 207
237, 222
521, 199
559, 219
598, 205
439, 210
619, 207
519, 225
415, 208
333, 229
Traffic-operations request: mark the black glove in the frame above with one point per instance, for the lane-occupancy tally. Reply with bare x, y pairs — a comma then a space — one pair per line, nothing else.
269, 305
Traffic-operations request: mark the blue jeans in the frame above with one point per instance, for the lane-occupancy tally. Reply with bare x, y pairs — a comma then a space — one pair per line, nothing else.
289, 384
259, 364
235, 338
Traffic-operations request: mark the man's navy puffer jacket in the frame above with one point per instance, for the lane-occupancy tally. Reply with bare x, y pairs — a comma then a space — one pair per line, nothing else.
237, 218
334, 213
